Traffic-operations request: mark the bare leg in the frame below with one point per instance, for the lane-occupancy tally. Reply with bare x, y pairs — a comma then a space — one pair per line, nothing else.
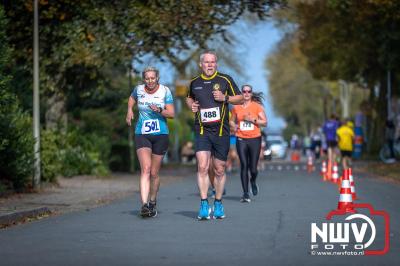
330, 154
344, 162
155, 179
203, 162
220, 177
211, 173
229, 162
144, 155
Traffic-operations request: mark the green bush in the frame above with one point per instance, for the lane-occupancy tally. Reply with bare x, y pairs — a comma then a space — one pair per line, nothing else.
16, 142
16, 139
50, 155
73, 153
85, 154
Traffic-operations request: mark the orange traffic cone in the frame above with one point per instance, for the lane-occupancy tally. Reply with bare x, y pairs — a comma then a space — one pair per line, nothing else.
335, 174
352, 187
339, 183
295, 156
310, 164
323, 170
345, 199
329, 171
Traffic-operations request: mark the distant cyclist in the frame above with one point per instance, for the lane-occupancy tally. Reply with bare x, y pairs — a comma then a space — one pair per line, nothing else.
155, 104
248, 118
208, 97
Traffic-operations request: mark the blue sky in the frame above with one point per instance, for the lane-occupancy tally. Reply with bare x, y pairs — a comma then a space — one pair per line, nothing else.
256, 41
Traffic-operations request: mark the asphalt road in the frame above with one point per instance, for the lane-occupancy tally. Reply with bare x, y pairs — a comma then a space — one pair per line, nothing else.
274, 229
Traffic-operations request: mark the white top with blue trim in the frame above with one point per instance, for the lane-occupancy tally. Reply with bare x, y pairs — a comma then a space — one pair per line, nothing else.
151, 122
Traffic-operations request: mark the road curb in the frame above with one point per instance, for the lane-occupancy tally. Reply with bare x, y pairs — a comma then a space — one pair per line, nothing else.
20, 216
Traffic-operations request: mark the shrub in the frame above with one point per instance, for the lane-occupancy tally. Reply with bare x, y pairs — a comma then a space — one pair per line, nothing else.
83, 154
16, 138
16, 142
50, 155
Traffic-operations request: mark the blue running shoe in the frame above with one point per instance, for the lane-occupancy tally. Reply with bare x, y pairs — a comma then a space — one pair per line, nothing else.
254, 187
205, 210
219, 210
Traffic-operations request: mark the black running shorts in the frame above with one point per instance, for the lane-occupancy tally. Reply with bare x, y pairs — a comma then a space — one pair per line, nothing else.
217, 145
332, 143
157, 143
346, 153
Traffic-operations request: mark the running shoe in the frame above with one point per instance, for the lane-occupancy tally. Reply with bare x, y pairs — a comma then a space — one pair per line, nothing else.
245, 198
152, 209
145, 211
254, 187
205, 210
219, 212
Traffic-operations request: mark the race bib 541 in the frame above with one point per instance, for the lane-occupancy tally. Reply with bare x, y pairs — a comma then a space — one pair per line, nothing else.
150, 126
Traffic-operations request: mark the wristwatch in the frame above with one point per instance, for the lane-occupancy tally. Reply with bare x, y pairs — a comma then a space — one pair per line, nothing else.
226, 98
160, 110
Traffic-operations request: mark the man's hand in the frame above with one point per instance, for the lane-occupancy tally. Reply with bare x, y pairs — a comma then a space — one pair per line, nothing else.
195, 106
218, 96
129, 117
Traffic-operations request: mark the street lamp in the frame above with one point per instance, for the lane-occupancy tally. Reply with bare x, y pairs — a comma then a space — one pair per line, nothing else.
36, 114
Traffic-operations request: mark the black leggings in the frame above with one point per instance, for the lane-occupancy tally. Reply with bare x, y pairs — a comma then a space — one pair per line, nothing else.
249, 153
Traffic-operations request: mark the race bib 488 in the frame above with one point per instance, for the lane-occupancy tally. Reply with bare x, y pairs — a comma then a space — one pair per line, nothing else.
210, 115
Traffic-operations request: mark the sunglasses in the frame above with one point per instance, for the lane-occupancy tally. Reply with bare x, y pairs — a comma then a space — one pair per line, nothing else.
246, 91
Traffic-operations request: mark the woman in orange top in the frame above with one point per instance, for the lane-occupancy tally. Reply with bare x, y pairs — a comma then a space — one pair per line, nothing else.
246, 121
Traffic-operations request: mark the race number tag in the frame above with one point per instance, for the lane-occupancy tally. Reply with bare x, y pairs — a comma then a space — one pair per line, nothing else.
150, 126
246, 126
210, 115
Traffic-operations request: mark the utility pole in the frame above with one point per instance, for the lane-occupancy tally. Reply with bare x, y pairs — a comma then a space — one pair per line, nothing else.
132, 166
36, 109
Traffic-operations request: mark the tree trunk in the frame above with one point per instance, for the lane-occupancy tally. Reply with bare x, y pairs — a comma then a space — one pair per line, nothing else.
345, 98
376, 136
56, 116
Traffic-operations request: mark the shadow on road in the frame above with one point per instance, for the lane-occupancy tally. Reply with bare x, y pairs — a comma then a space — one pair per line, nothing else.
189, 214
233, 198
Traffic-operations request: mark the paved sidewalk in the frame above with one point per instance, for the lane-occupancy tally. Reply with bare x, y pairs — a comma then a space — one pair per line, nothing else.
77, 193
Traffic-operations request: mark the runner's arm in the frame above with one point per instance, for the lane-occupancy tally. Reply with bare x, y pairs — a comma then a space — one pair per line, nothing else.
236, 99
168, 111
261, 120
129, 113
192, 104
232, 122
189, 102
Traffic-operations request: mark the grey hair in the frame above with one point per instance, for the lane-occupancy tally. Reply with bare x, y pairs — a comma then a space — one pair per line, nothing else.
208, 52
151, 69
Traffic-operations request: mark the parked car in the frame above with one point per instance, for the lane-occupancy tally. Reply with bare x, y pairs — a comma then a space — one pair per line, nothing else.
277, 146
